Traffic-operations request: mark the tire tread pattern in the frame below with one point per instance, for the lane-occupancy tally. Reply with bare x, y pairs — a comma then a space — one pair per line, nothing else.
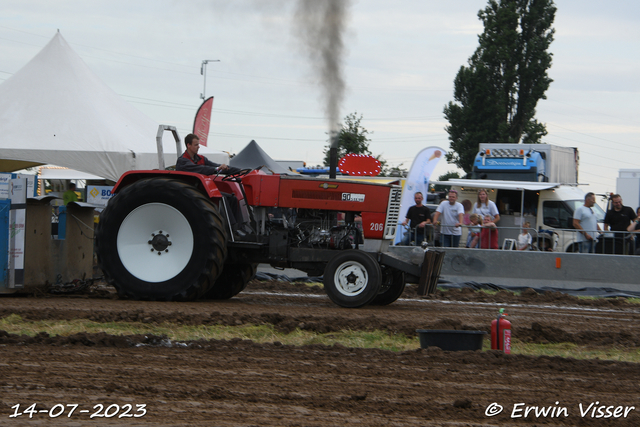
205, 219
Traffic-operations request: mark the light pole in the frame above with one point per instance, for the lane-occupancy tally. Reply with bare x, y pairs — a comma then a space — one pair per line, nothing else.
203, 71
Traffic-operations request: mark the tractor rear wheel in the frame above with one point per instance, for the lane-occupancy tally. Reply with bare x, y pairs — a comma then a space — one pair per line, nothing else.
352, 278
161, 239
393, 284
232, 281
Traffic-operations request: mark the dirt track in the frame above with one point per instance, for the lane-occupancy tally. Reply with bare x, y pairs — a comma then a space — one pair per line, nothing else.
238, 382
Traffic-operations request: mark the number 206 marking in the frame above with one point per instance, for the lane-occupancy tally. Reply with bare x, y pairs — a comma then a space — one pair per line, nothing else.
377, 226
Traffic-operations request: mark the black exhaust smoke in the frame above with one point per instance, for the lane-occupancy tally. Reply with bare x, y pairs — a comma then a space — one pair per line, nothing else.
320, 26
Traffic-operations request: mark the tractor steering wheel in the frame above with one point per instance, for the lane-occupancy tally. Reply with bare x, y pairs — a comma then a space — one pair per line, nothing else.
234, 176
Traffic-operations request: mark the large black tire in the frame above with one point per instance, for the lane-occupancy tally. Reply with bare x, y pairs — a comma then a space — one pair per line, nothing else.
352, 278
161, 239
232, 281
392, 287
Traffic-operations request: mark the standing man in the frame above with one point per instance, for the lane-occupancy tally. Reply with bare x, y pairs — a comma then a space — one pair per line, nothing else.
585, 221
452, 214
418, 216
70, 195
618, 219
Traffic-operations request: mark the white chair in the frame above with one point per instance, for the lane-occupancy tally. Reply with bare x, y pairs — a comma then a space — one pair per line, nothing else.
508, 244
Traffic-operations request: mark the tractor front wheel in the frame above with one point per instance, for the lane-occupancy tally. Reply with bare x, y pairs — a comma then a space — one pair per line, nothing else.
352, 278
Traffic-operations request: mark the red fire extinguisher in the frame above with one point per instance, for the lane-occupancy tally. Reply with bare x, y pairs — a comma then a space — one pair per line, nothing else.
501, 333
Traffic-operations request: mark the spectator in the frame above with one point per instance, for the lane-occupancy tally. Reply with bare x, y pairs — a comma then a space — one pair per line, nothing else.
484, 206
524, 238
474, 231
70, 195
418, 216
452, 214
618, 218
489, 233
585, 221
634, 228
468, 210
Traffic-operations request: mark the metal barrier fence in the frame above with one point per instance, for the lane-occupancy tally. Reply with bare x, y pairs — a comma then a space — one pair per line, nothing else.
556, 240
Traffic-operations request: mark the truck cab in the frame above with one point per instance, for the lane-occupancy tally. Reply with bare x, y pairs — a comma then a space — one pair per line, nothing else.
526, 162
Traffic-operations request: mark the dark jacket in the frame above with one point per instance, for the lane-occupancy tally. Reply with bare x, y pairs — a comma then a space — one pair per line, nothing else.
200, 165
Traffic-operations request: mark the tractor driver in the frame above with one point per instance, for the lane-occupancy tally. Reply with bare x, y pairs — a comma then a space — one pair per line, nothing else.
190, 161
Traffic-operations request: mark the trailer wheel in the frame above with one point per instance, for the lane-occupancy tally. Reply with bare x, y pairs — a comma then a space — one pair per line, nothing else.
232, 281
161, 239
352, 278
392, 287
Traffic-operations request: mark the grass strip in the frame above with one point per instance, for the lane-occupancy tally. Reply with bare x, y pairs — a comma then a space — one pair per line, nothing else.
14, 324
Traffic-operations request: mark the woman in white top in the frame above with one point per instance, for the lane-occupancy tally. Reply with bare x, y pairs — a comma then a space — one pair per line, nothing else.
484, 206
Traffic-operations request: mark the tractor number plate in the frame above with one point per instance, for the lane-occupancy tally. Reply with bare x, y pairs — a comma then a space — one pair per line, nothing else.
352, 197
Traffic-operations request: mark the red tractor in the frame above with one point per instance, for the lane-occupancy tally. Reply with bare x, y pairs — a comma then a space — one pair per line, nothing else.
166, 235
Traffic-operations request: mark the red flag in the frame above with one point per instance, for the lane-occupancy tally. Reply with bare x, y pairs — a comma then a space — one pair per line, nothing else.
203, 120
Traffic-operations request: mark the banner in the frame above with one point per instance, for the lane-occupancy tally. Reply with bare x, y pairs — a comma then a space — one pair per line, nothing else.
417, 180
99, 195
4, 185
17, 223
203, 120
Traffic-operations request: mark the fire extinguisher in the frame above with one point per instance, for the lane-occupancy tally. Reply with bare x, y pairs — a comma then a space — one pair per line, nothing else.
501, 333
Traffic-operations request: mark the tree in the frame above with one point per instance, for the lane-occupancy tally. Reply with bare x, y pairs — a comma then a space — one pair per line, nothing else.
446, 177
352, 138
497, 93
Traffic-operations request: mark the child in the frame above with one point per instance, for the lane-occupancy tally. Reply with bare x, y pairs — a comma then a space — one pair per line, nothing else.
474, 231
524, 239
489, 234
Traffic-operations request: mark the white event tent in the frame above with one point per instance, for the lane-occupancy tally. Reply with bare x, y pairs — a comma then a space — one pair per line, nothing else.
55, 110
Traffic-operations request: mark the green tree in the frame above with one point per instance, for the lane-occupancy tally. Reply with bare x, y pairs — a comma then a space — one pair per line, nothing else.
497, 93
352, 138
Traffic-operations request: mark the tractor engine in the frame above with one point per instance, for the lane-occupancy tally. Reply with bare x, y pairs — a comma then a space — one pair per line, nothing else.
311, 228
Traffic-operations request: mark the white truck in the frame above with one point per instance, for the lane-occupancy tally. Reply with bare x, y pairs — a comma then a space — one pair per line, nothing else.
548, 207
535, 183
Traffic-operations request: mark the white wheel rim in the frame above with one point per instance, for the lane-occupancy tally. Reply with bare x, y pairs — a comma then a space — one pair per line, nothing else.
163, 259
351, 278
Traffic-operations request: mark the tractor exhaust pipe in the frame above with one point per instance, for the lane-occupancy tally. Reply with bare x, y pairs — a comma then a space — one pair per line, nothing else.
333, 161
333, 154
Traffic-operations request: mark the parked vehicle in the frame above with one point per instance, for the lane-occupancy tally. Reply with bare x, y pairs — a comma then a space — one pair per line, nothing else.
526, 162
548, 207
535, 183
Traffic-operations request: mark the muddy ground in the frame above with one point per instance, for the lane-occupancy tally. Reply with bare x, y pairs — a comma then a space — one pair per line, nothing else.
241, 383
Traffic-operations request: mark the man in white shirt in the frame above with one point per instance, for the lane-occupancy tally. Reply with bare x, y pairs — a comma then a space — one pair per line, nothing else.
452, 214
586, 222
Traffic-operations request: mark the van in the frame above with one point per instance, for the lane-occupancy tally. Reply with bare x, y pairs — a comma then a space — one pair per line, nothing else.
548, 207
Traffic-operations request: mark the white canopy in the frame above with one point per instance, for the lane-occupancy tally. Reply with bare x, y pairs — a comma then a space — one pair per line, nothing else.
499, 185
64, 173
55, 110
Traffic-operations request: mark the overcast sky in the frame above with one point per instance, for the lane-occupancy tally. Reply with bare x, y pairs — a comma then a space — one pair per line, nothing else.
399, 64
